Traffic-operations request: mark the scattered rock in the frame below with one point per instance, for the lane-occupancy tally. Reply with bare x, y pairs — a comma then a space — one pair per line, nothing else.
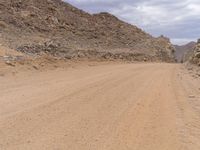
2, 75
198, 74
195, 57
9, 63
35, 67
56, 28
191, 96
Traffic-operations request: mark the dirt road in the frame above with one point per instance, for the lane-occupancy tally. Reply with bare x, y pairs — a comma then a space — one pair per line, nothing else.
105, 107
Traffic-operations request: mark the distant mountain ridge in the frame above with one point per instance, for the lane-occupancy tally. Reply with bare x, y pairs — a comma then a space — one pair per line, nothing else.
182, 52
56, 27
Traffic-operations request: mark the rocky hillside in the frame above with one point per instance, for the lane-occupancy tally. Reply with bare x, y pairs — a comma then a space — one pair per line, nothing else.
37, 27
195, 57
184, 51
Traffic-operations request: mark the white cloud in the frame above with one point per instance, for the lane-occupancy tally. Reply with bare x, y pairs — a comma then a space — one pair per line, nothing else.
178, 19
182, 41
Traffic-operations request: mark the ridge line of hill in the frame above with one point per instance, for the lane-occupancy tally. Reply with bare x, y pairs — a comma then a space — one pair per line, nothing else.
54, 27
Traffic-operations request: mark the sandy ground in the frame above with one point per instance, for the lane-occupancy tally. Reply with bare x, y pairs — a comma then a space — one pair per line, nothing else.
103, 107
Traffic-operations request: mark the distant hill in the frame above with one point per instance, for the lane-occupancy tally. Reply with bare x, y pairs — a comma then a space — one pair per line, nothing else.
36, 27
182, 52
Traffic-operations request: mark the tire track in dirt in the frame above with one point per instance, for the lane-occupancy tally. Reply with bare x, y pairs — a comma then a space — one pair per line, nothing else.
108, 107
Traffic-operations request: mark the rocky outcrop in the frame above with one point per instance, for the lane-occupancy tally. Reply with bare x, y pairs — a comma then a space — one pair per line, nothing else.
36, 27
195, 58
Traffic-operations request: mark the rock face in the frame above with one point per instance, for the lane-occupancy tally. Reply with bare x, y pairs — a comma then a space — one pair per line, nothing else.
53, 26
183, 52
195, 58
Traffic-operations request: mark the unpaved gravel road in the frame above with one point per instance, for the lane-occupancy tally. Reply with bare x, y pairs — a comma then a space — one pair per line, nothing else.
104, 107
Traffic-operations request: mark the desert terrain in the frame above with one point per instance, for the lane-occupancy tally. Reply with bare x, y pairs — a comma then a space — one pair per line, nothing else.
74, 80
103, 106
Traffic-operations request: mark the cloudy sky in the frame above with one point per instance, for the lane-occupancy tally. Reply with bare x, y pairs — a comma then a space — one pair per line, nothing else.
177, 19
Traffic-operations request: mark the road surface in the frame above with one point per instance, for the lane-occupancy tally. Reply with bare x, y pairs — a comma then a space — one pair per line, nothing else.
104, 107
